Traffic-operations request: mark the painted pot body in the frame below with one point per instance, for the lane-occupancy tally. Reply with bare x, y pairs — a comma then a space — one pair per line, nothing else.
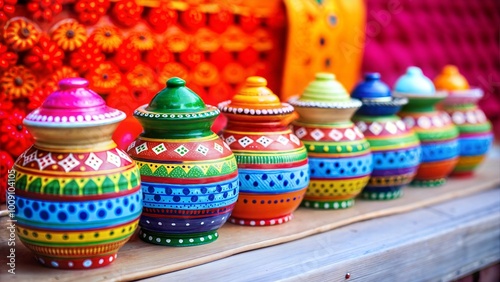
189, 175
396, 155
395, 148
272, 162
340, 159
438, 138
437, 134
78, 197
475, 135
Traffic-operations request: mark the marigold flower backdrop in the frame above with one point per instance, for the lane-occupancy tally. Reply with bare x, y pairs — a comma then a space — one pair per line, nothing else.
127, 49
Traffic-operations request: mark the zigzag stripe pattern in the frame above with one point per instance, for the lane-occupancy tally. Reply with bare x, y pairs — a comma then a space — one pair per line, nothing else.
188, 169
78, 186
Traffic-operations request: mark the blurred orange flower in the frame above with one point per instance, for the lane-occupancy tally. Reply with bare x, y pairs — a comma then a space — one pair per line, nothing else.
142, 40
142, 76
21, 34
108, 38
104, 78
69, 35
17, 82
171, 70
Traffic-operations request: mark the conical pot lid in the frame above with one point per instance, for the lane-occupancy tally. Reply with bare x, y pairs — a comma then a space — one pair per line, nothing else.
373, 92
176, 102
415, 85
450, 79
457, 86
325, 92
255, 99
73, 105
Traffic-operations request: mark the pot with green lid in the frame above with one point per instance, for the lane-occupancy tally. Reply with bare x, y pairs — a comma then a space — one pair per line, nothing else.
340, 160
190, 176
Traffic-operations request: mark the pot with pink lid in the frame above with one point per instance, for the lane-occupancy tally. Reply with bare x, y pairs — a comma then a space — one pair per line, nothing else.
78, 197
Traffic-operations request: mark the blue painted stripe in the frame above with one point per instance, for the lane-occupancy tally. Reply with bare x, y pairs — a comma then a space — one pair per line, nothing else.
273, 181
82, 215
190, 197
432, 152
333, 168
474, 146
397, 159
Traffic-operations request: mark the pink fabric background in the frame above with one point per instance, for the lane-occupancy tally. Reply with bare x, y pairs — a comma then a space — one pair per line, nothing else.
433, 33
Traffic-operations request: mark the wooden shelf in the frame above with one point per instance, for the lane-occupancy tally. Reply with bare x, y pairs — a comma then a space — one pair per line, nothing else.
428, 228
441, 242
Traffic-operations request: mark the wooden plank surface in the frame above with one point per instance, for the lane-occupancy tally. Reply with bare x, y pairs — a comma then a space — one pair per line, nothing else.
437, 243
140, 260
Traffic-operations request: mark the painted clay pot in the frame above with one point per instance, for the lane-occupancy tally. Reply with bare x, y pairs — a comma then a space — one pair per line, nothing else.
189, 176
272, 162
437, 134
395, 148
475, 136
340, 160
78, 197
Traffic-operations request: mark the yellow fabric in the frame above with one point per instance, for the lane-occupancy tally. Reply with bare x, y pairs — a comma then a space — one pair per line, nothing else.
307, 53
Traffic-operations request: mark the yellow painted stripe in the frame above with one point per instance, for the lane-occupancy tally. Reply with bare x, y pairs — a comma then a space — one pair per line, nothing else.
78, 237
470, 160
340, 187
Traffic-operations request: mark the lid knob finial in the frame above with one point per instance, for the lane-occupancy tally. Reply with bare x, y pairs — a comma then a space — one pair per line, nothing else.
73, 83
176, 82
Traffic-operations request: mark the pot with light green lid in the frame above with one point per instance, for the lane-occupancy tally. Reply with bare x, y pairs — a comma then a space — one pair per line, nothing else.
340, 161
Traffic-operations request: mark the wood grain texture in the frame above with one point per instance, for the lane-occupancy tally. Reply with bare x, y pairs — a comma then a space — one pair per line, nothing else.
140, 260
438, 243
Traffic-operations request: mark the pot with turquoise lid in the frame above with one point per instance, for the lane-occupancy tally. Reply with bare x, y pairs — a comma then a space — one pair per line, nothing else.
437, 134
